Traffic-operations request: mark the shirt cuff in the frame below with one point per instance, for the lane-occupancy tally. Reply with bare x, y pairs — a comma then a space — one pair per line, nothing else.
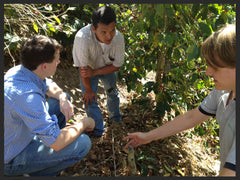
230, 166
204, 112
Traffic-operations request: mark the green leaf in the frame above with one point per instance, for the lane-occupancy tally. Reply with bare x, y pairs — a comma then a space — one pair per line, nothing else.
199, 130
15, 39
138, 27
35, 27
160, 109
224, 17
200, 84
170, 38
219, 22
176, 54
71, 8
139, 88
57, 19
71, 121
194, 77
204, 12
51, 28
7, 36
213, 10
144, 170
167, 168
193, 52
205, 29
48, 7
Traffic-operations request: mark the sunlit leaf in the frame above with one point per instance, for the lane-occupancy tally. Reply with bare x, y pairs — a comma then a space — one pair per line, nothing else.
57, 19
35, 27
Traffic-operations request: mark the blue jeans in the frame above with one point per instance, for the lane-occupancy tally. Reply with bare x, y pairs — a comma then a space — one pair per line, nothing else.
109, 81
37, 159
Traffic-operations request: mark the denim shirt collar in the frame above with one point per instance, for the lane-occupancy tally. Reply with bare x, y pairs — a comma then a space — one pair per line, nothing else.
32, 77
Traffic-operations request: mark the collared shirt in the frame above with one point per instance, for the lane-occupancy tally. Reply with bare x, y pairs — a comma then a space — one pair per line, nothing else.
87, 50
25, 111
215, 104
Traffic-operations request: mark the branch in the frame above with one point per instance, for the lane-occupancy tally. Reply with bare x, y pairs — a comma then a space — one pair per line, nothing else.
114, 156
7, 46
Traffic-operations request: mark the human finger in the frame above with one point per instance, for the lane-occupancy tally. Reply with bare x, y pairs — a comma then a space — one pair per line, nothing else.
129, 136
86, 102
95, 97
126, 138
90, 101
131, 142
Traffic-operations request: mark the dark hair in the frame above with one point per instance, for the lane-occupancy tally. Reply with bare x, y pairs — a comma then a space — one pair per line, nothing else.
222, 44
104, 15
37, 50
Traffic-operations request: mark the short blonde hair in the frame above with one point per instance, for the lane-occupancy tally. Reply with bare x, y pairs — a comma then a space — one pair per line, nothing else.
222, 44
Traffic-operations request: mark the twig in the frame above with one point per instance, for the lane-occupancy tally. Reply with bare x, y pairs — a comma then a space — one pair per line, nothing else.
102, 162
7, 46
114, 157
120, 92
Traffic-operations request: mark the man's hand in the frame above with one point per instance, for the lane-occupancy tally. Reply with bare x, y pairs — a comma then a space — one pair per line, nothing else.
66, 106
136, 139
86, 72
87, 97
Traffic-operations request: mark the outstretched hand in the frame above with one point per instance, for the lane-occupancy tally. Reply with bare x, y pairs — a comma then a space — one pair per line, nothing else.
136, 139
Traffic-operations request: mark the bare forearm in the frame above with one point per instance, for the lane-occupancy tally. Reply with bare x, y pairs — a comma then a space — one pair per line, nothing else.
67, 136
182, 122
227, 172
106, 70
85, 80
55, 91
86, 83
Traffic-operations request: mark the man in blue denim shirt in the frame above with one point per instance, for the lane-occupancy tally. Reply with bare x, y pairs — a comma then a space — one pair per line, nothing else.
36, 139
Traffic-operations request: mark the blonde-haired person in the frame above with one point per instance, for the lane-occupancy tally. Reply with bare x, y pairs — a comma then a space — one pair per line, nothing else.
219, 52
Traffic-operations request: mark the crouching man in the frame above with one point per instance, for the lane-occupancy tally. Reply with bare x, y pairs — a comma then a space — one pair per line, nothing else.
37, 141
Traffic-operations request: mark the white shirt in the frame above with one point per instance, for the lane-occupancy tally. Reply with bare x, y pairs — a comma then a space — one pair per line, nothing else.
215, 104
88, 51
